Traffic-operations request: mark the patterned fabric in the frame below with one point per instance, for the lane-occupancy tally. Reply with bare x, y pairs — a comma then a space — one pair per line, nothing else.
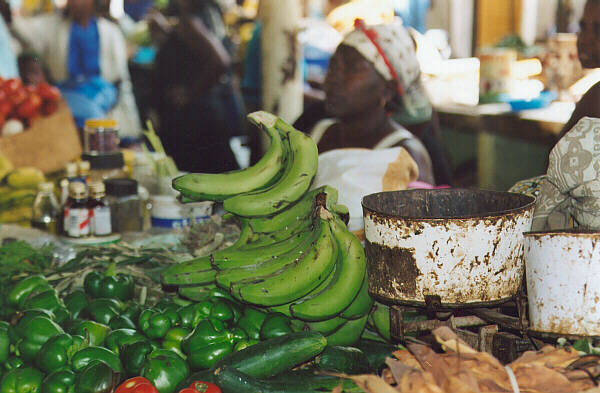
399, 50
571, 190
530, 187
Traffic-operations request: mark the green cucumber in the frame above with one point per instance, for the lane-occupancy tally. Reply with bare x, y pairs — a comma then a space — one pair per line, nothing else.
348, 360
231, 380
309, 380
273, 356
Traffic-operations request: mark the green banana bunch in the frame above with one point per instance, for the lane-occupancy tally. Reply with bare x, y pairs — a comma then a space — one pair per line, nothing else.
300, 170
220, 186
344, 287
296, 279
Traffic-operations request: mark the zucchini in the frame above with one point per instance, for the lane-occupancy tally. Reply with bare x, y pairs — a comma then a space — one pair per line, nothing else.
231, 380
348, 360
273, 356
376, 352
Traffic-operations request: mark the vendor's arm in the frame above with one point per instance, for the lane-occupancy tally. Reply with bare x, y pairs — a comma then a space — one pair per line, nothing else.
589, 106
418, 152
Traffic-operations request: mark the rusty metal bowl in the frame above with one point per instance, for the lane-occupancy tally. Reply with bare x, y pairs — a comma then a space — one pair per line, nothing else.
461, 247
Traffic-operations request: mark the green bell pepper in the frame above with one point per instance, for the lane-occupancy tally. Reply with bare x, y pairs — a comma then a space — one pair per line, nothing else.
76, 302
121, 322
61, 381
35, 334
85, 356
96, 377
173, 340
57, 351
192, 314
119, 337
13, 362
4, 341
94, 332
275, 325
132, 311
133, 356
166, 370
103, 310
155, 324
251, 322
26, 287
209, 342
119, 286
47, 300
22, 380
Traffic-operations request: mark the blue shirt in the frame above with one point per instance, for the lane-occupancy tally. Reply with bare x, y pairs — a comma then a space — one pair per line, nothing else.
8, 60
84, 51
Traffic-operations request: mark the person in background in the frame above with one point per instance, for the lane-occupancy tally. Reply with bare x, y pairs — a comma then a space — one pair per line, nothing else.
588, 47
8, 59
373, 73
31, 69
86, 57
198, 106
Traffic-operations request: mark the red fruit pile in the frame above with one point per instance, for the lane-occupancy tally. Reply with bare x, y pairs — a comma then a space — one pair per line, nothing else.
26, 102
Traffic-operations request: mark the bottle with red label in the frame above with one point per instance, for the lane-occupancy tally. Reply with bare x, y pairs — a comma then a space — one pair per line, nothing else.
76, 217
99, 210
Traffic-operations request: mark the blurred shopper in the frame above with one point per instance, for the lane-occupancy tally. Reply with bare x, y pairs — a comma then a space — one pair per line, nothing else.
373, 73
86, 56
198, 106
588, 46
8, 60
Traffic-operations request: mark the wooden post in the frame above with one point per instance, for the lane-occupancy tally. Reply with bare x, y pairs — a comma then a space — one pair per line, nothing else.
281, 54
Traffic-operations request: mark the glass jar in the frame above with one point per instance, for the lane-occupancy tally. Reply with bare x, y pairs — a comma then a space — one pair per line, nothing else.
105, 166
46, 211
101, 136
126, 206
100, 222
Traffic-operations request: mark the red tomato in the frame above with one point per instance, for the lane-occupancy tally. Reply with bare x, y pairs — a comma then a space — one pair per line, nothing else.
48, 92
136, 385
29, 107
202, 387
11, 86
17, 97
49, 108
6, 107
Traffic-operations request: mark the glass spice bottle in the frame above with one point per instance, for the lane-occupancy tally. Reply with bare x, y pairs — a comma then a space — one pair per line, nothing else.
76, 219
99, 210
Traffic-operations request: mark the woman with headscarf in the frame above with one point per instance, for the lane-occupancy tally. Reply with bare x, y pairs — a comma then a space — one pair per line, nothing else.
373, 72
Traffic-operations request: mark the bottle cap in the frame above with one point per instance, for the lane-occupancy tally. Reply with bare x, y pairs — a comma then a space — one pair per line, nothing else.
97, 189
71, 169
101, 123
105, 161
46, 187
77, 190
84, 168
121, 187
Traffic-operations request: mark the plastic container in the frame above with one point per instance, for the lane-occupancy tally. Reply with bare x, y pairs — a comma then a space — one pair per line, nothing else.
100, 136
168, 212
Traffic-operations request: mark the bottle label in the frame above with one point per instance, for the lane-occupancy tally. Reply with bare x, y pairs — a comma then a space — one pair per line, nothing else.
100, 221
77, 222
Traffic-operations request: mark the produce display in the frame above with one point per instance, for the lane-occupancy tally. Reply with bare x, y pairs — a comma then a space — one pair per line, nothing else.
294, 255
19, 104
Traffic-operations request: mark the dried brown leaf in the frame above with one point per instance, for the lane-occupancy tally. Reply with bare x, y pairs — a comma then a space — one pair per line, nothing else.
407, 358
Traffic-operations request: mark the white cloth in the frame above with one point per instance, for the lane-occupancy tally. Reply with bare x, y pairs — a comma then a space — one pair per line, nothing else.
48, 36
359, 172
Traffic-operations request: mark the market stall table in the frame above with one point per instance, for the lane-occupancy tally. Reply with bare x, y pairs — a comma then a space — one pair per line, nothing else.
509, 146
